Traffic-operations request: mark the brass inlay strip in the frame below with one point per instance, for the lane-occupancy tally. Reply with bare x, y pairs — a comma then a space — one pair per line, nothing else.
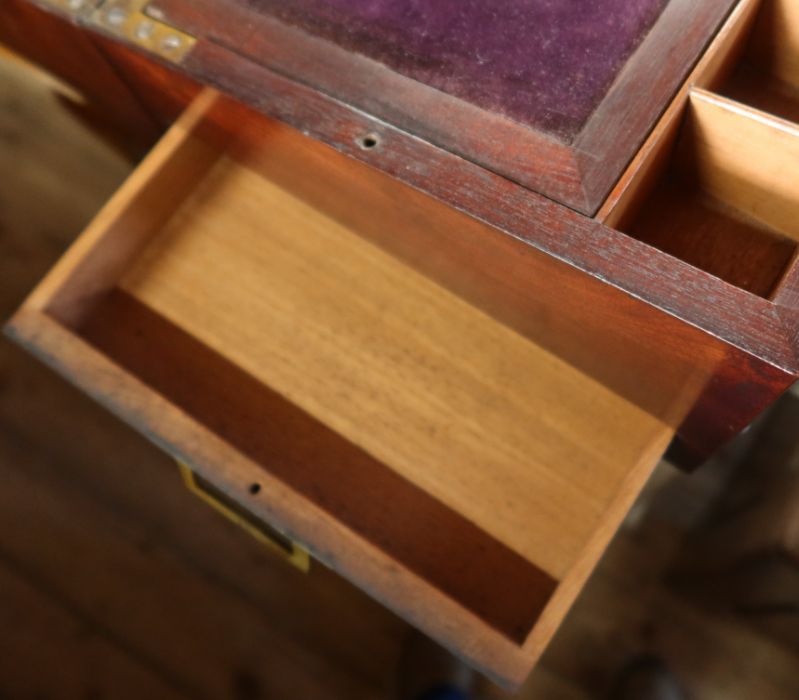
128, 20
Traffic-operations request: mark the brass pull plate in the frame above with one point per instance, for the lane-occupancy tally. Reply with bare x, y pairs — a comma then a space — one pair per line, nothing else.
281, 545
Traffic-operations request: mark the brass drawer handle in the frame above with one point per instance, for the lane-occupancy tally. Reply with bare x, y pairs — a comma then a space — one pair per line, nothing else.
281, 545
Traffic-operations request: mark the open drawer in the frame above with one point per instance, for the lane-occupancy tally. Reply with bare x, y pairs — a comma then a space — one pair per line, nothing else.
229, 302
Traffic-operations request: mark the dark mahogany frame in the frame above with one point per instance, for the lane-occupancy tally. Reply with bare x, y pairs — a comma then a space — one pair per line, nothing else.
626, 313
578, 174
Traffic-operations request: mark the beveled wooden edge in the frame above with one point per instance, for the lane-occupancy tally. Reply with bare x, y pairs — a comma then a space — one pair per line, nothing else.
738, 318
35, 327
608, 141
714, 68
577, 174
532, 158
95, 262
327, 539
709, 423
741, 319
576, 578
785, 295
715, 65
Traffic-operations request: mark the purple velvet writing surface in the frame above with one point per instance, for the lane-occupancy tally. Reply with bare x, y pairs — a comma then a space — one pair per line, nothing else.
544, 63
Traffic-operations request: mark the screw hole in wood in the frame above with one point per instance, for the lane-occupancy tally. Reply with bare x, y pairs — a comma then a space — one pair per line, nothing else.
369, 141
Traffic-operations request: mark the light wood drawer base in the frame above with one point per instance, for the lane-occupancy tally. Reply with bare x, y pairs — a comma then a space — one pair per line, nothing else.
229, 304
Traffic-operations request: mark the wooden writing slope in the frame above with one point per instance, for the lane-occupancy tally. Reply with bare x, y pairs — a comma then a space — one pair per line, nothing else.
396, 350
548, 94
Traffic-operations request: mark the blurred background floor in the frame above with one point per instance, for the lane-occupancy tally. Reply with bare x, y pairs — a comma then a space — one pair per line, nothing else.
115, 582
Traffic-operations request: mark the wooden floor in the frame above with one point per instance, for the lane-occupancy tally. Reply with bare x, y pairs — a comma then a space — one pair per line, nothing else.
115, 582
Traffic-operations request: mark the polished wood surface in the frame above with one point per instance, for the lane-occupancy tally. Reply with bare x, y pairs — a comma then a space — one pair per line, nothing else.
745, 159
716, 64
578, 173
739, 351
115, 580
397, 365
736, 240
384, 358
724, 203
109, 372
58, 447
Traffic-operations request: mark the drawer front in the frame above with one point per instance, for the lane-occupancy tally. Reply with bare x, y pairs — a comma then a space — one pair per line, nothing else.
242, 314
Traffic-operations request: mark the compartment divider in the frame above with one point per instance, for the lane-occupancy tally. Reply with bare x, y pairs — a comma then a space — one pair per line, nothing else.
744, 158
719, 193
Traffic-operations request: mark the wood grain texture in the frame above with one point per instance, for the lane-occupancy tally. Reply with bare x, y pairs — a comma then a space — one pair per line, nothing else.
618, 127
745, 159
173, 630
579, 174
774, 272
400, 367
774, 44
767, 77
715, 66
412, 527
725, 202
339, 547
171, 170
726, 362
687, 223
751, 86
81, 454
64, 460
605, 254
618, 273
165, 92
544, 66
526, 461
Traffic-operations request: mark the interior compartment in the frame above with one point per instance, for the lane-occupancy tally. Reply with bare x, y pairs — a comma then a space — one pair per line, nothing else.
418, 530
224, 282
724, 196
767, 75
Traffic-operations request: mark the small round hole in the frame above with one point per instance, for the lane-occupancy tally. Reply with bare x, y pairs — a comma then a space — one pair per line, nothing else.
254, 488
369, 141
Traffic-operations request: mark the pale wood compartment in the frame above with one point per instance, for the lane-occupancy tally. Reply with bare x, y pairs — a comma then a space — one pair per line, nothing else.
767, 74
722, 194
459, 472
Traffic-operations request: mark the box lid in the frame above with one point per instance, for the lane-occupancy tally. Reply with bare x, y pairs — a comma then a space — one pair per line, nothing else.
554, 95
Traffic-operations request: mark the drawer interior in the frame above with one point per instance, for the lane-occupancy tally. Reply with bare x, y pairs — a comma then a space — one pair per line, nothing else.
767, 74
234, 283
715, 183
724, 198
